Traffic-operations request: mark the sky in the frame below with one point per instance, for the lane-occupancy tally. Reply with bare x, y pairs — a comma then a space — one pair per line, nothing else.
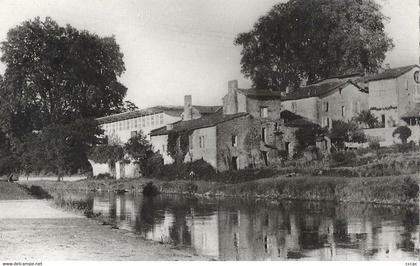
177, 47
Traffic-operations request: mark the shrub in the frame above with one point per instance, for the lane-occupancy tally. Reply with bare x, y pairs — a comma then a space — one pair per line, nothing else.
150, 189
374, 145
405, 147
410, 188
192, 188
366, 118
106, 154
403, 132
103, 176
343, 157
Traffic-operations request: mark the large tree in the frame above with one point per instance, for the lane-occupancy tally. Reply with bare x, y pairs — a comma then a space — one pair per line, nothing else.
57, 74
313, 39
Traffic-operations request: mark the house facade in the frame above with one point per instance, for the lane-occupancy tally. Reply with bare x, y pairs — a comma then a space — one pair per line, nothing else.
394, 96
247, 133
326, 101
119, 128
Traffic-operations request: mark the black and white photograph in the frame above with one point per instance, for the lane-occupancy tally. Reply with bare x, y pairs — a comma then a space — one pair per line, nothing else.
136, 131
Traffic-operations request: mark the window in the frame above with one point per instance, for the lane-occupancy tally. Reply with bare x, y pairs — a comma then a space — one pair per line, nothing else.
133, 133
355, 107
294, 107
263, 134
152, 120
163, 149
383, 120
120, 124
161, 119
147, 121
127, 124
201, 142
276, 126
263, 112
343, 111
135, 123
234, 141
143, 121
325, 106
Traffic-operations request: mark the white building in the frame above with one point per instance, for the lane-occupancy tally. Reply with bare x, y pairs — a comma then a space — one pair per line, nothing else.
394, 96
119, 128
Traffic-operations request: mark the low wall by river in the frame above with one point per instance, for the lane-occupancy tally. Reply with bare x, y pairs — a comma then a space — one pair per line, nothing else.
384, 135
51, 177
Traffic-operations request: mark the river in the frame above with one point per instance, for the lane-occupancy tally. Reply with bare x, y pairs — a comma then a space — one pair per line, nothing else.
233, 229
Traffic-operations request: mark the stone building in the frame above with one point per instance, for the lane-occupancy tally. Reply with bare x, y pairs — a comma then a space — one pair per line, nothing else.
247, 132
328, 100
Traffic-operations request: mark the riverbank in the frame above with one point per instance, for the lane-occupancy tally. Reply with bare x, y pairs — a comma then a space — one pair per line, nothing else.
12, 191
401, 190
33, 230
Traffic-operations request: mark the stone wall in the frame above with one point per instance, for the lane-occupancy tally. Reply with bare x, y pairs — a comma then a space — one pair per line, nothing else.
384, 135
273, 106
249, 147
205, 148
307, 108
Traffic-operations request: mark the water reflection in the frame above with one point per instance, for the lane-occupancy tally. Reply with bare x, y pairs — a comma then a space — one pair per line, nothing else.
244, 230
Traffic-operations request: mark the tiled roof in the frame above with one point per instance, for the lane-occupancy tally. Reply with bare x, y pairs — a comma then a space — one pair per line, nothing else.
316, 90
205, 121
390, 73
261, 94
294, 120
207, 109
168, 109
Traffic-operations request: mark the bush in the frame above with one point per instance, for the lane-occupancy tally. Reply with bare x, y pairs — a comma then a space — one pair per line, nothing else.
374, 145
192, 188
403, 132
405, 147
150, 189
410, 188
201, 169
343, 157
103, 176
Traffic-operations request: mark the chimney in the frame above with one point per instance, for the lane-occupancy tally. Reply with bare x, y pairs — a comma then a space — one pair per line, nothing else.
169, 126
232, 85
187, 108
230, 105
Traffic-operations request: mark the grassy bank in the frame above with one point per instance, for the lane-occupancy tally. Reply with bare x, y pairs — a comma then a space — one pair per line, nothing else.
13, 191
382, 190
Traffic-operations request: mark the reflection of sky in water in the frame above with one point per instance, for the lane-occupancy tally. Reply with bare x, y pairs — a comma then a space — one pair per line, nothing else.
241, 230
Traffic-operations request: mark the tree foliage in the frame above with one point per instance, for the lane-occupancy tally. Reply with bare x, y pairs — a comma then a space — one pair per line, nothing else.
342, 131
58, 148
178, 145
109, 154
306, 136
55, 75
313, 39
368, 119
403, 132
141, 151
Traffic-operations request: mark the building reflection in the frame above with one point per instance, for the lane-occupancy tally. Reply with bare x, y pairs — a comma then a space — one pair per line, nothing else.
249, 231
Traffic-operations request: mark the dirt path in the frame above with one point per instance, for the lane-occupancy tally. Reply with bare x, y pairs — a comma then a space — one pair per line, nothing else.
33, 230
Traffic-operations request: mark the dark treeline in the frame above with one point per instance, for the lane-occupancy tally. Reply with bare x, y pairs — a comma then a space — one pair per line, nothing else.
57, 80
